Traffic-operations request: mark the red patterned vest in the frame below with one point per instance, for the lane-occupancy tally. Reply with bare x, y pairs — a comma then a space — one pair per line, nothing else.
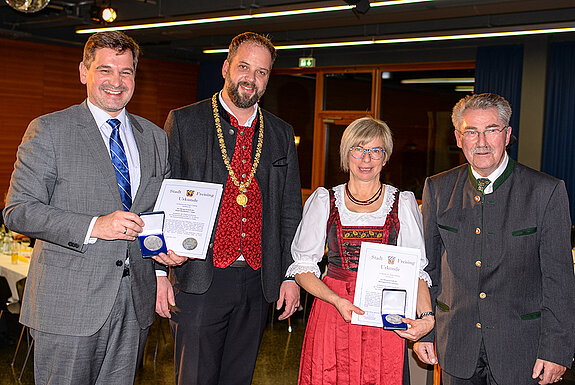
239, 228
344, 242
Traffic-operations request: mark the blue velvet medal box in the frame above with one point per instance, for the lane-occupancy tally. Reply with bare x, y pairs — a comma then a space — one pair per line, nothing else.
151, 239
393, 309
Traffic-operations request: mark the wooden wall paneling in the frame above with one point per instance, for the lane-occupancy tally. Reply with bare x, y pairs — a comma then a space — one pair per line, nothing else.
21, 86
162, 86
144, 101
177, 87
62, 86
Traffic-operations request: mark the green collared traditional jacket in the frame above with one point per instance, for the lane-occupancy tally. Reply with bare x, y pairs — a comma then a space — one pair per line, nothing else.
502, 271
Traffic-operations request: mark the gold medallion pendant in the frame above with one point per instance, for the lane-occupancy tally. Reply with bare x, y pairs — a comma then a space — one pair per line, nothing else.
242, 199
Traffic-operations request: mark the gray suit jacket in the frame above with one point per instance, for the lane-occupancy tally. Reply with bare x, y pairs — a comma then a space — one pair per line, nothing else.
195, 155
502, 271
63, 176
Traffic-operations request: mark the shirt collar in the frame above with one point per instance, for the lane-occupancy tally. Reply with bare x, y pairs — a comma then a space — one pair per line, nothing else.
495, 174
101, 116
249, 121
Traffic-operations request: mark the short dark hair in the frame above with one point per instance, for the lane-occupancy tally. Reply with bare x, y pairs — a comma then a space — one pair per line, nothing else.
254, 38
116, 40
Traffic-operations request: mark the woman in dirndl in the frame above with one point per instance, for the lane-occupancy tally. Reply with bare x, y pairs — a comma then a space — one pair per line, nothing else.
361, 210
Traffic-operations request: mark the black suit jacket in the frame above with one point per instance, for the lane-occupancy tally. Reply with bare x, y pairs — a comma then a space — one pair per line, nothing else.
195, 155
502, 271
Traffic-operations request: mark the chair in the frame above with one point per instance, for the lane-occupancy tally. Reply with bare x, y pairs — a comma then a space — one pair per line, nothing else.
5, 293
160, 331
14, 308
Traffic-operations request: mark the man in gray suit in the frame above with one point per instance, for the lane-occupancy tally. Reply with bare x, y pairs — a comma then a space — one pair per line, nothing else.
498, 244
80, 178
220, 305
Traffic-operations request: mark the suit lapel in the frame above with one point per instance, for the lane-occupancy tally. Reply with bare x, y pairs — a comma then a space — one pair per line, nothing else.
98, 151
146, 145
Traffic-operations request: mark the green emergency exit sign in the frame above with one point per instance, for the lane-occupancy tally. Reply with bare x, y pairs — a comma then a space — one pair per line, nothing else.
305, 62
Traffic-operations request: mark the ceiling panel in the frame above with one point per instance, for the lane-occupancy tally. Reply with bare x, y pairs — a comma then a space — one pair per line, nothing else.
58, 22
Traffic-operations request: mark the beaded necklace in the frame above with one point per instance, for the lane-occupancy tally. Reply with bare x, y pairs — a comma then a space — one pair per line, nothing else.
369, 201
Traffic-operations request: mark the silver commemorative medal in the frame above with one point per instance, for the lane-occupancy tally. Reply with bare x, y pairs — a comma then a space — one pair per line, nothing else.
153, 242
393, 319
190, 243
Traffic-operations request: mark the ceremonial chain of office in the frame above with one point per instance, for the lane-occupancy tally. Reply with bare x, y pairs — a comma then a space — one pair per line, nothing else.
241, 199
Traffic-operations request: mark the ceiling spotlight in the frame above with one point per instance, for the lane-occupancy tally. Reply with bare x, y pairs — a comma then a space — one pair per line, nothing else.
109, 14
361, 6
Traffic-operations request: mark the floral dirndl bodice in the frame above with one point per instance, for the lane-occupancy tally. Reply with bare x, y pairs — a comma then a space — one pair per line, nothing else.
344, 242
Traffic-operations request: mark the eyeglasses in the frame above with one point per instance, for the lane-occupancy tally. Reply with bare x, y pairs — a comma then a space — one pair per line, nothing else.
490, 133
374, 153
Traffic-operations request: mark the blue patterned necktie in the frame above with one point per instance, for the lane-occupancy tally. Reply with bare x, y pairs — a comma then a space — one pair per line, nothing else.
120, 164
482, 183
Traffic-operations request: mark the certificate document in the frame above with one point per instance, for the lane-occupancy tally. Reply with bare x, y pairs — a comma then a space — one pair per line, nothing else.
191, 209
384, 267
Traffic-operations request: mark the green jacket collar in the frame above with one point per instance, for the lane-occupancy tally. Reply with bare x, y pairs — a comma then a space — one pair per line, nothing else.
499, 181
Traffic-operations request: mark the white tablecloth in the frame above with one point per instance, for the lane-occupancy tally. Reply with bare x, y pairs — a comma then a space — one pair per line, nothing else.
13, 272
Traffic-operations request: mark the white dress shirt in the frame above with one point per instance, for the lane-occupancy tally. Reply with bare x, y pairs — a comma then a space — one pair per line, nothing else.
130, 147
494, 175
249, 121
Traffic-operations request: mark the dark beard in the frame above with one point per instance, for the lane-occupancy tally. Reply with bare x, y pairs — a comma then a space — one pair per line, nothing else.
238, 100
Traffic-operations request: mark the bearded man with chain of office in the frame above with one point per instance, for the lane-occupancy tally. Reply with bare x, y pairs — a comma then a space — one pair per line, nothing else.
220, 306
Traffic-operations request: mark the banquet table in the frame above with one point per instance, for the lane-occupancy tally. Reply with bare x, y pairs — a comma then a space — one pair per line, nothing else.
13, 272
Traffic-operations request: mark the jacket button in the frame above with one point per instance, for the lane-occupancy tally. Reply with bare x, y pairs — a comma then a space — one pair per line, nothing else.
478, 231
231, 132
211, 245
478, 325
119, 262
482, 295
477, 198
478, 263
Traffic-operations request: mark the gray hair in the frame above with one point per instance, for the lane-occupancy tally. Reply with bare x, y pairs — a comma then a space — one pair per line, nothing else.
481, 102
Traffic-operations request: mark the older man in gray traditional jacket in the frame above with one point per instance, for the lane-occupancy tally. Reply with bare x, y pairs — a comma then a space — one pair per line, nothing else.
498, 244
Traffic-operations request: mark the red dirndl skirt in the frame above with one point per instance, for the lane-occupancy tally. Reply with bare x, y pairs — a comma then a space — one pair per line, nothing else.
339, 353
